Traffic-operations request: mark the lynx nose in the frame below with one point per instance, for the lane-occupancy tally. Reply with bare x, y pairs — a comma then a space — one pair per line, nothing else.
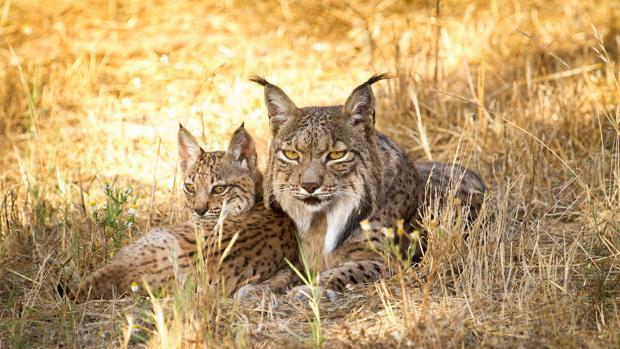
201, 210
310, 187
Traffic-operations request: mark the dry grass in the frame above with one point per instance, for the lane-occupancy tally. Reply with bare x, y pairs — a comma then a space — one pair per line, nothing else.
526, 92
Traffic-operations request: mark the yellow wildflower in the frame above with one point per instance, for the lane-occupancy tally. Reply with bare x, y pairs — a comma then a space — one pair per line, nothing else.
388, 232
365, 224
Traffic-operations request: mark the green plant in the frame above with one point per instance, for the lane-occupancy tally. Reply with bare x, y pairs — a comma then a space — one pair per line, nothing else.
116, 215
310, 278
42, 211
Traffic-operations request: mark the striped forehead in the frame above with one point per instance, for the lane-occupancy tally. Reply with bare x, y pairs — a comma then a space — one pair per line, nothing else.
313, 129
318, 139
212, 159
320, 115
210, 163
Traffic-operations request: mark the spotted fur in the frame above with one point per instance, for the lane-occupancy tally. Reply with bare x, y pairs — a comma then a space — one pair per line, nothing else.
329, 194
443, 179
264, 238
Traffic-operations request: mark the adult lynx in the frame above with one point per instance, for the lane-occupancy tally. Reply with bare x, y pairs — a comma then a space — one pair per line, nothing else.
330, 170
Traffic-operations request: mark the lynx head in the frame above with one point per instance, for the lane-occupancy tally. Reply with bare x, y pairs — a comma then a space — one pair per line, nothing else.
215, 182
324, 160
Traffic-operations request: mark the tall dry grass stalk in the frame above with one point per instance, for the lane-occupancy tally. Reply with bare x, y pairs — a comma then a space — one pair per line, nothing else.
525, 92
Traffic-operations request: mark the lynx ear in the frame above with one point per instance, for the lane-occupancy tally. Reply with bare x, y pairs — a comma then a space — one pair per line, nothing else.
360, 105
279, 106
189, 149
242, 148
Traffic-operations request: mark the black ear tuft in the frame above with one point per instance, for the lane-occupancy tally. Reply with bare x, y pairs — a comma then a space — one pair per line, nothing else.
280, 107
360, 106
378, 77
259, 80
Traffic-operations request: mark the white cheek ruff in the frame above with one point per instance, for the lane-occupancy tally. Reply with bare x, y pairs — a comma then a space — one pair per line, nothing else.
314, 208
303, 222
337, 219
296, 210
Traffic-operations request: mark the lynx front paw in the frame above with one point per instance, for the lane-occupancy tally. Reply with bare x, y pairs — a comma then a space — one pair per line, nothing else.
305, 293
246, 292
249, 292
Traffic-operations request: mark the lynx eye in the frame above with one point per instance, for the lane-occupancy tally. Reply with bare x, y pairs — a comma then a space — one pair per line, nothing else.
336, 155
219, 189
189, 187
291, 154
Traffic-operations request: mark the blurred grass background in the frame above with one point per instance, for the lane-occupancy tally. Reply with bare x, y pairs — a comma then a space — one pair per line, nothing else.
525, 92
